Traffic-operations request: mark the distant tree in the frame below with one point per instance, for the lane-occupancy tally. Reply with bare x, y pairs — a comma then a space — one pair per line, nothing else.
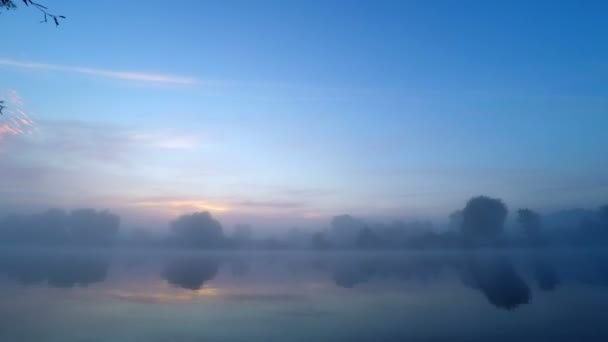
46, 15
455, 219
242, 235
319, 241
594, 230
344, 230
531, 223
272, 244
298, 238
198, 230
51, 226
82, 227
603, 214
91, 227
368, 239
483, 218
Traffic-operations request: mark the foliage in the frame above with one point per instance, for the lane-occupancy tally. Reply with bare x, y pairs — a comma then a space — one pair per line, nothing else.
198, 230
483, 217
531, 223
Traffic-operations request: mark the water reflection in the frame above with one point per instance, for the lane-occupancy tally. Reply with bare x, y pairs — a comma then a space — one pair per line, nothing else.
400, 296
349, 272
497, 279
191, 272
546, 275
503, 280
65, 270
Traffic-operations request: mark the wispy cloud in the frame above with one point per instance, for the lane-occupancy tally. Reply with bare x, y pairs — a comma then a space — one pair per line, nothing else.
114, 74
182, 204
272, 204
165, 140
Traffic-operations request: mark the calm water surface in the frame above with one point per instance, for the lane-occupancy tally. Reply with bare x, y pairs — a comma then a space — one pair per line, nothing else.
301, 296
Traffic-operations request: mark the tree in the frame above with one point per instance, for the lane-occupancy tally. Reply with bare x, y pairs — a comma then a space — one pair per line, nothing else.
319, 241
483, 218
531, 223
603, 214
242, 235
455, 220
345, 229
91, 227
198, 230
81, 227
11, 4
368, 239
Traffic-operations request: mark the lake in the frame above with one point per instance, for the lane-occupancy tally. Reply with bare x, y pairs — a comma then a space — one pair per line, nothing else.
302, 296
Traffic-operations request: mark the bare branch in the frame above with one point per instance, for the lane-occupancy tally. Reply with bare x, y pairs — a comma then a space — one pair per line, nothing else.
10, 4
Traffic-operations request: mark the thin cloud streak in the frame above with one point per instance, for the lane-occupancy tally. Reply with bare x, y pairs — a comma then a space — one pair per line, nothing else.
114, 74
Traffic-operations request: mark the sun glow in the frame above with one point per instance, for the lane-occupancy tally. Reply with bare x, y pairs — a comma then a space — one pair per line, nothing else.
166, 296
180, 206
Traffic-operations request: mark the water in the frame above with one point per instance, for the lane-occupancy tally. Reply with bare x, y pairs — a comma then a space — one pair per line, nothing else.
302, 296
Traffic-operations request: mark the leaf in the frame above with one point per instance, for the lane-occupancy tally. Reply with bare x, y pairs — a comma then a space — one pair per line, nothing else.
56, 21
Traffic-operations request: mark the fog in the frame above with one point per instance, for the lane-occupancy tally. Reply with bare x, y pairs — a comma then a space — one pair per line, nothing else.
481, 223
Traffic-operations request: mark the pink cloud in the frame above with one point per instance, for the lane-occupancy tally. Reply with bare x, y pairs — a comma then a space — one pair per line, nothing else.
14, 120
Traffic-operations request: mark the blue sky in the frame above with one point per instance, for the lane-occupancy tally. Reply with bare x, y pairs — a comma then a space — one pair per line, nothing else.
286, 113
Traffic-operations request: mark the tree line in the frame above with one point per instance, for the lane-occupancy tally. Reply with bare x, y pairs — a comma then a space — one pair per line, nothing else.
481, 223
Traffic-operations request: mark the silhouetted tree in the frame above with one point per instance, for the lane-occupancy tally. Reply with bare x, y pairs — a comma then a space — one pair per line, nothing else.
603, 214
243, 232
594, 230
88, 226
531, 223
12, 4
82, 227
52, 225
345, 229
368, 239
242, 235
455, 219
198, 230
319, 241
483, 218
298, 238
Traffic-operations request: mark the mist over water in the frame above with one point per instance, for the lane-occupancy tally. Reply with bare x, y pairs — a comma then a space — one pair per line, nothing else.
278, 171
143, 295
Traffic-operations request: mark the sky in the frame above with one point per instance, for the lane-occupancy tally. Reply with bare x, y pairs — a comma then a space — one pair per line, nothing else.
284, 114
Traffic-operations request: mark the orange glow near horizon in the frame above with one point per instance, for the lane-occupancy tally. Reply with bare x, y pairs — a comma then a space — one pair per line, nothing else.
176, 206
164, 296
14, 120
